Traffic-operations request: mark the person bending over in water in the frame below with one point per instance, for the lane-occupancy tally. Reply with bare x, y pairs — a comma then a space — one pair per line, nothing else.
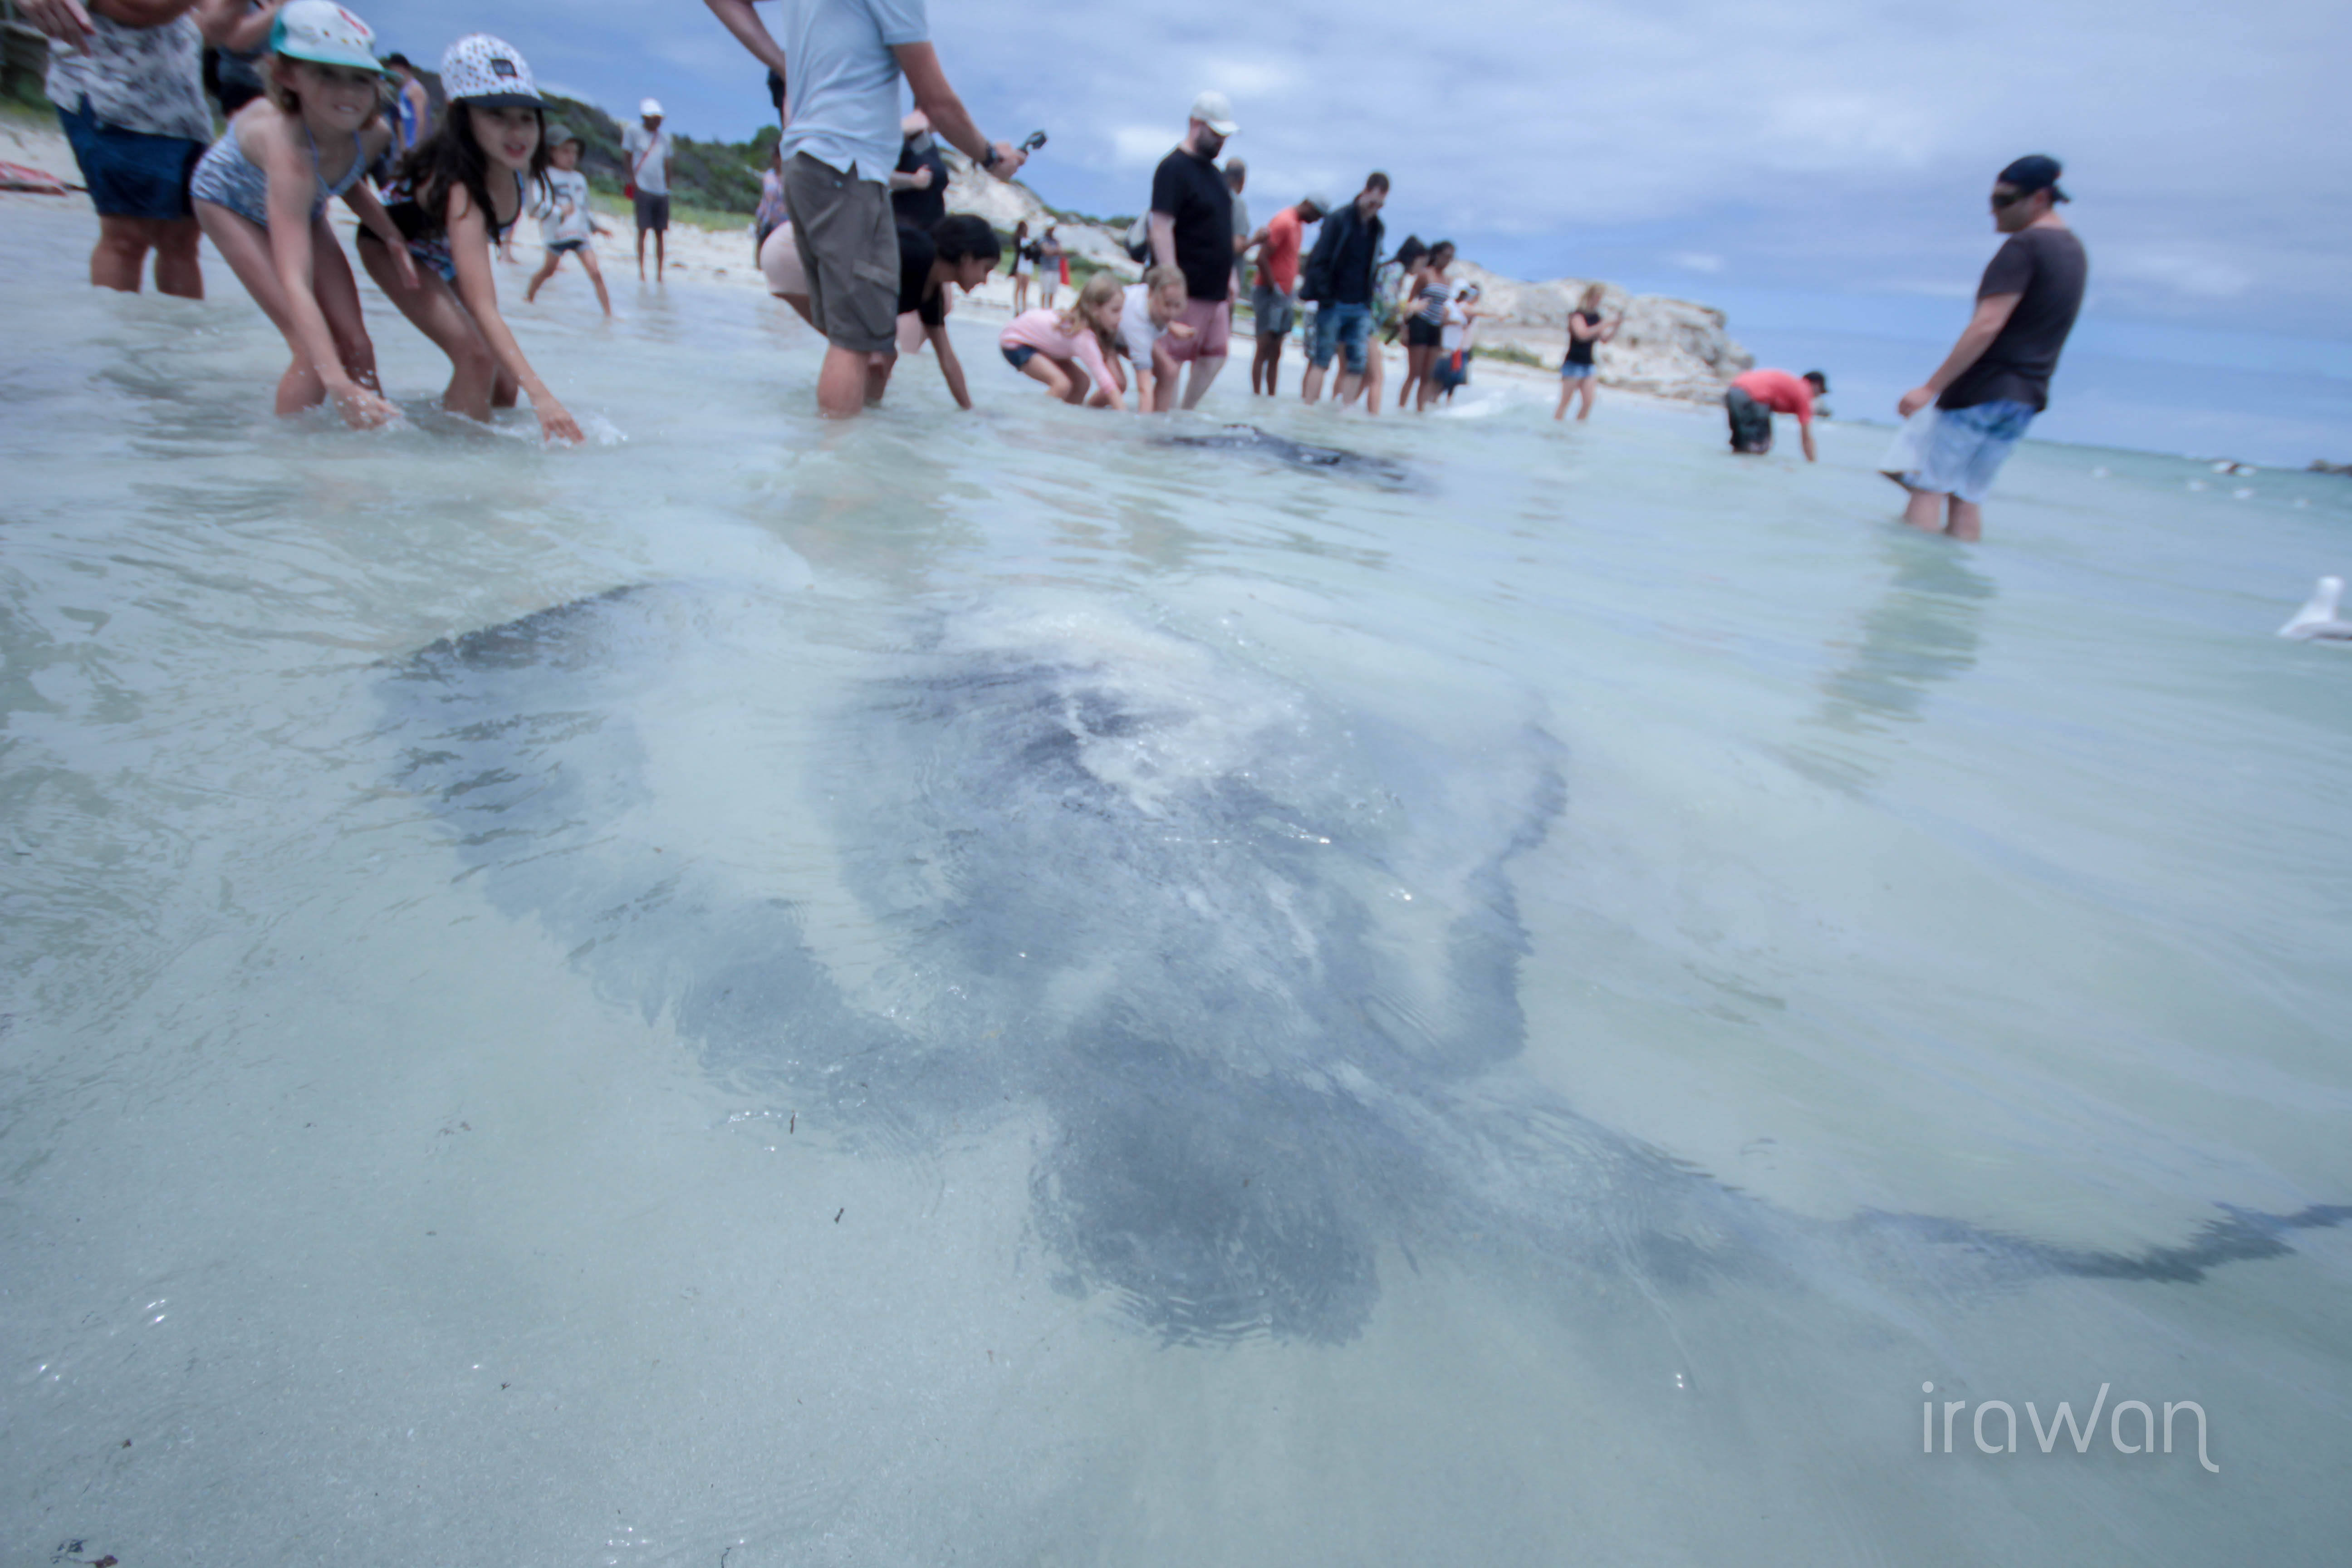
261, 194
462, 187
1586, 332
1147, 314
1065, 349
961, 251
570, 223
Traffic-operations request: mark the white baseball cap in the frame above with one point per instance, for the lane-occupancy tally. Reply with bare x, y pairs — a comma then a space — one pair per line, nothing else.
649, 108
478, 68
1212, 110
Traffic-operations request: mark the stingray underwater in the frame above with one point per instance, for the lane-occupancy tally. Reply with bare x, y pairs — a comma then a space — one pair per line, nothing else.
1254, 957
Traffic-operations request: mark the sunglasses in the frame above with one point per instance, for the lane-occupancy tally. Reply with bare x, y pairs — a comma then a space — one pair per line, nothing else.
2010, 200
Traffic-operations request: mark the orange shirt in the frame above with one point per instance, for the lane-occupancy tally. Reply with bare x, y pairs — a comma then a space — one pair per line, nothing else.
1277, 258
1780, 391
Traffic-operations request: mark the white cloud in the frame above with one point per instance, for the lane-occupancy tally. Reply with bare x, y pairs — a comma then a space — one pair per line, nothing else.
1143, 146
1255, 78
1697, 261
2185, 272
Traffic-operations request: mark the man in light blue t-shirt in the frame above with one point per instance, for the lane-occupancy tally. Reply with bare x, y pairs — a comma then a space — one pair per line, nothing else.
841, 61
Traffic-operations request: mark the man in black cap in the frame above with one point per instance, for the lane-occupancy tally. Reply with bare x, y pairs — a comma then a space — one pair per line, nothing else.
1997, 377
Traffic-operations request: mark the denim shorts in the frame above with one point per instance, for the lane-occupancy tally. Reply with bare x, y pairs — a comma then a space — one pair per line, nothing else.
1967, 447
1573, 370
1273, 310
1337, 325
130, 173
1019, 357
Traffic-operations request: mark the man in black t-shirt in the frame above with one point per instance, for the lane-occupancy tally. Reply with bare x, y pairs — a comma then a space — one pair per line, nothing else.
1997, 377
962, 250
1192, 223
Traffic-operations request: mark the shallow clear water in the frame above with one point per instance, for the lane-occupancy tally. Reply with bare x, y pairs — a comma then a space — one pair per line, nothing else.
1029, 995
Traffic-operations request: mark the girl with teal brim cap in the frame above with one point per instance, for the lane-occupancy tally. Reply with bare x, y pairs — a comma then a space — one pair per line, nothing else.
261, 194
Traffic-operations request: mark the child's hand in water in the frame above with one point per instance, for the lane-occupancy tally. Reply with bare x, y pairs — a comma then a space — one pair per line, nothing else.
362, 409
556, 423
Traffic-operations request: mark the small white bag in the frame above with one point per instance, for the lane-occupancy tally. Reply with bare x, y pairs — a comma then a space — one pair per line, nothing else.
1907, 453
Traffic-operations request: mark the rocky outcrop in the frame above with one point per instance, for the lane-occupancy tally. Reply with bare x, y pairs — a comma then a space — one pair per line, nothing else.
1667, 347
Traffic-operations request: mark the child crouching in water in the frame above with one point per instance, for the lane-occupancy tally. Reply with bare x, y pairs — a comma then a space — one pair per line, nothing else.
261, 194
1147, 315
1065, 349
457, 193
571, 224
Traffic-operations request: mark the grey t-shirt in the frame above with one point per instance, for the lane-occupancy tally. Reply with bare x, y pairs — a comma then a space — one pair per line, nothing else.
2047, 267
647, 153
842, 91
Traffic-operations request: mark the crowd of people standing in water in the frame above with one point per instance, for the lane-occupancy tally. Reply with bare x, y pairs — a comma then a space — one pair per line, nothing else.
853, 232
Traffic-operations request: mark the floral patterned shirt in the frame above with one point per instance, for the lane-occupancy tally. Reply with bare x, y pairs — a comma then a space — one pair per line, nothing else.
149, 79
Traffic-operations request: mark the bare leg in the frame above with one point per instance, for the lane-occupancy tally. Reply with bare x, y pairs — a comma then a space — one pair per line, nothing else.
546, 270
1586, 387
1198, 380
877, 375
245, 246
596, 276
661, 251
641, 253
432, 309
841, 384
1924, 510
1310, 386
1067, 387
1968, 521
119, 258
178, 272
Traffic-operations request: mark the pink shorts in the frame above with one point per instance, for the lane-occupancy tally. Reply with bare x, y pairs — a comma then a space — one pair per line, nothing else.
1211, 322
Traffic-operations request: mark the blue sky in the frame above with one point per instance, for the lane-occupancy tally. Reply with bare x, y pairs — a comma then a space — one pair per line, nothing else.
1831, 157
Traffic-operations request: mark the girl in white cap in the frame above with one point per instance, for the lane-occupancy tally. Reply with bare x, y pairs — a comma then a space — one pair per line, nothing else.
462, 189
261, 193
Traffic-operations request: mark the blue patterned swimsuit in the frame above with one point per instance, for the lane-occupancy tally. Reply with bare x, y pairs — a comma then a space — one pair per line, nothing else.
227, 177
428, 235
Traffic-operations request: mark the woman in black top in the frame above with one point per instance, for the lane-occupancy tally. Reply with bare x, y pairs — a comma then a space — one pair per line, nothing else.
1586, 332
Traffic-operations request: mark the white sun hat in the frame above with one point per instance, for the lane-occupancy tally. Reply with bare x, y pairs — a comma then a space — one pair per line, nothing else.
478, 68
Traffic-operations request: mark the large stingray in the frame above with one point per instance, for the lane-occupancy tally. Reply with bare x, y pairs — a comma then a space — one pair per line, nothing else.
1254, 957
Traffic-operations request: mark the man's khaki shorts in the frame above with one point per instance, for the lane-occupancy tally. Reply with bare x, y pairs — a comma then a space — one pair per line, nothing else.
848, 243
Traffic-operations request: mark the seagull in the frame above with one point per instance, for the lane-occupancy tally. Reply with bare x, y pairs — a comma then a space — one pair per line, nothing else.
2318, 621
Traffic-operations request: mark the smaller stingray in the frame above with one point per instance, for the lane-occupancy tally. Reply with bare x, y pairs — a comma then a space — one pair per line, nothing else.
1299, 454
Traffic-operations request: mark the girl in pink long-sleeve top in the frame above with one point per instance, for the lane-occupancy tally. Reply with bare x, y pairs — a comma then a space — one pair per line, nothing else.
1066, 349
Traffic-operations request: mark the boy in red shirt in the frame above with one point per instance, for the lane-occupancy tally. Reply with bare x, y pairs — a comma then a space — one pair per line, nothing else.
1274, 300
1755, 397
